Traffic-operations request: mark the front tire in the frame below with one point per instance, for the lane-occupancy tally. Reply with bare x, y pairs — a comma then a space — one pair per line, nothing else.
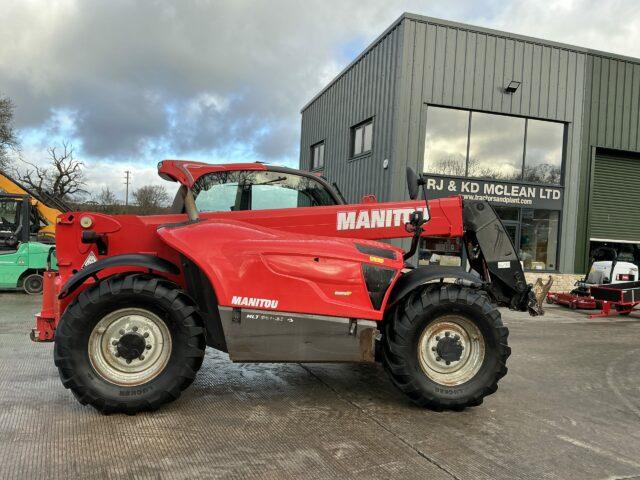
129, 343
446, 347
32, 284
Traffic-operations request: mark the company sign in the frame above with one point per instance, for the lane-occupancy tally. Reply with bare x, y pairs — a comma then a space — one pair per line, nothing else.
497, 193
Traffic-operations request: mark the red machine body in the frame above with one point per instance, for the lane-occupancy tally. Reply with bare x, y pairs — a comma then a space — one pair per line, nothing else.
269, 264
302, 260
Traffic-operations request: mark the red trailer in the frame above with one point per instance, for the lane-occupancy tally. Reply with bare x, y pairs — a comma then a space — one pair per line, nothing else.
616, 299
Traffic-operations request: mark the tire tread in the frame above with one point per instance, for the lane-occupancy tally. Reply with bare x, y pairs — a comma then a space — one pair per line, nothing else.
397, 345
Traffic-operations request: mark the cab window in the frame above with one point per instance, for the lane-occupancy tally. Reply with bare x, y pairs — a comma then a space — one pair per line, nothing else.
258, 190
8, 215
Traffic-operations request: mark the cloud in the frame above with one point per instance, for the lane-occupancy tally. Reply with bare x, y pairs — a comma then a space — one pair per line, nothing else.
133, 82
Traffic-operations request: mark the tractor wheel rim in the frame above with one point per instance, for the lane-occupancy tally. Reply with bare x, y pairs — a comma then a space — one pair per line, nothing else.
451, 350
130, 347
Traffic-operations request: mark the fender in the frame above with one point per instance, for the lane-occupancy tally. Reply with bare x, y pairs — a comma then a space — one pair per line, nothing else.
126, 260
421, 275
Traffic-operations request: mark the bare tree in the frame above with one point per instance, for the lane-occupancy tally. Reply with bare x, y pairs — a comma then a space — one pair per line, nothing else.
62, 179
8, 139
151, 198
106, 197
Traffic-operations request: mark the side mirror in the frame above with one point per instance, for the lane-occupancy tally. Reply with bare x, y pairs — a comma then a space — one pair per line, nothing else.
369, 198
412, 183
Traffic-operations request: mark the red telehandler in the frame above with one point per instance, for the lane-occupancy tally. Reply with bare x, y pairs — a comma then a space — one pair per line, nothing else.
270, 265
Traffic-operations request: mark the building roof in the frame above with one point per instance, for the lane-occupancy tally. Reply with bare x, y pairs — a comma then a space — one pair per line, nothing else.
471, 28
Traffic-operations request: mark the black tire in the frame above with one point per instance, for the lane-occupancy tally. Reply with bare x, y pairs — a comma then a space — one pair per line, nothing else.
421, 310
158, 296
32, 284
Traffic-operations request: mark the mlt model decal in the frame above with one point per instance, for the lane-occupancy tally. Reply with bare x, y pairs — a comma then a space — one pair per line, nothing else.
254, 302
376, 218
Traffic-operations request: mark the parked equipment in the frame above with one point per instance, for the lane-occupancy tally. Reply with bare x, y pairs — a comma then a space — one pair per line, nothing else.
137, 299
44, 208
607, 276
27, 232
22, 261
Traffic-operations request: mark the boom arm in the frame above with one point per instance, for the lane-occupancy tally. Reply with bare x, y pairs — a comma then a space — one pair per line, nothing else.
492, 254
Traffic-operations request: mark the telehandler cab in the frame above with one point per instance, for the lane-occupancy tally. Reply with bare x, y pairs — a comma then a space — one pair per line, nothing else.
270, 265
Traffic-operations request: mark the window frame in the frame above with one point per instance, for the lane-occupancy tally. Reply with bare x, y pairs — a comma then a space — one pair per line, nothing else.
352, 139
314, 167
423, 131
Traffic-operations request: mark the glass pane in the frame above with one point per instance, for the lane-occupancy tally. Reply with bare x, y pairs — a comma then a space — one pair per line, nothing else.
512, 231
496, 146
246, 189
317, 153
440, 251
507, 213
543, 162
264, 197
218, 198
9, 217
368, 137
445, 142
539, 239
357, 141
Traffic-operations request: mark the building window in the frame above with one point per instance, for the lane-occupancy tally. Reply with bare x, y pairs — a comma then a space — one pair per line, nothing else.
499, 147
534, 233
445, 144
539, 239
543, 158
496, 147
362, 138
317, 156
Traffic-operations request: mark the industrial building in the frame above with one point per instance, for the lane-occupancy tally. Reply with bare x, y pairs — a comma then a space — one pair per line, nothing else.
548, 133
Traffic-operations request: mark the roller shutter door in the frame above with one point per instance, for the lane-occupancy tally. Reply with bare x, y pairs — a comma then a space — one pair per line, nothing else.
614, 206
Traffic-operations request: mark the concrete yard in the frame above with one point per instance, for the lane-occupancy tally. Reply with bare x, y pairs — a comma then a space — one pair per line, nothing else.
568, 408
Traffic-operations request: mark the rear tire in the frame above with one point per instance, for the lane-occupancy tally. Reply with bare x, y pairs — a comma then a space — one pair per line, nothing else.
446, 347
129, 343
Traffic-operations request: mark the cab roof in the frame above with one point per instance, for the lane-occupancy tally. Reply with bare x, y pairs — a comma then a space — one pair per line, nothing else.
188, 172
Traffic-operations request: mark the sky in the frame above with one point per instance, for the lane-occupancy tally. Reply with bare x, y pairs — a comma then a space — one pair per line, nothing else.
130, 83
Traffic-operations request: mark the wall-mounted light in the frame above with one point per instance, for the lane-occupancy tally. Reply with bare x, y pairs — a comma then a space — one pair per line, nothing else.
512, 87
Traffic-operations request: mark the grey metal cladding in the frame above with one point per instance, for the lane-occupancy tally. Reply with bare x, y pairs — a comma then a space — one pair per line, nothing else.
467, 67
366, 89
614, 103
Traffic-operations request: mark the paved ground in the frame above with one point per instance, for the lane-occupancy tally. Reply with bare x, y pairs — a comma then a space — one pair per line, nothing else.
569, 408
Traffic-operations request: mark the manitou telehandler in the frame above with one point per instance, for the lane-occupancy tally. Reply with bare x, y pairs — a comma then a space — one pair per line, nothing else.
270, 265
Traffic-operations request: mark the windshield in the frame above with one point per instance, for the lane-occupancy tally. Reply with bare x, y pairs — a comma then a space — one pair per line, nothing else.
258, 190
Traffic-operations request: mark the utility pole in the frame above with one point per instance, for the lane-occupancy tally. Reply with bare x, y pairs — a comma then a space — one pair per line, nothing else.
127, 180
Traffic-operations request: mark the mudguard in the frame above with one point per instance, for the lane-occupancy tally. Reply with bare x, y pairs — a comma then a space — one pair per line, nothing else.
421, 275
127, 260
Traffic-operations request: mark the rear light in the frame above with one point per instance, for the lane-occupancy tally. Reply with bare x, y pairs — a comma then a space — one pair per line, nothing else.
624, 277
377, 280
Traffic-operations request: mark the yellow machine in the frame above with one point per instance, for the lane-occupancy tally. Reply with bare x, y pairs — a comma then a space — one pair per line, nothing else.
46, 208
